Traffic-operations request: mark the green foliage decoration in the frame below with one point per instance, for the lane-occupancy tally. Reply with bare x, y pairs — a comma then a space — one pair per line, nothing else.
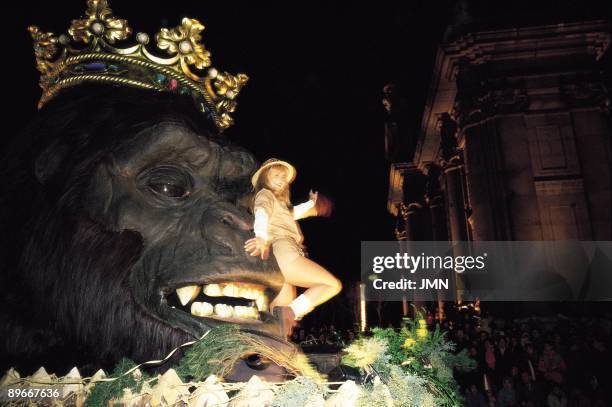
219, 351
416, 364
102, 392
298, 393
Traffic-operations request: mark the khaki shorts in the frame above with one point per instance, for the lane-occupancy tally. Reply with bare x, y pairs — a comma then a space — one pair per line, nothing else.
286, 250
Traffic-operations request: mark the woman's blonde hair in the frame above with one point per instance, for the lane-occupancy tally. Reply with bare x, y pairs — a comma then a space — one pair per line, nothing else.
262, 182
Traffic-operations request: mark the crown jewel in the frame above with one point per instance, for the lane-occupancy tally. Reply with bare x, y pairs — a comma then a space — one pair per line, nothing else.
87, 53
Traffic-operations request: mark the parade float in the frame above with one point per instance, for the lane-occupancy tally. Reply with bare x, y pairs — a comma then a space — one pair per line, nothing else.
128, 219
411, 366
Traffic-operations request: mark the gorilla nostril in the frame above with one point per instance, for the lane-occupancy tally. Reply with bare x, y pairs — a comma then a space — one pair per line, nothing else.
230, 217
227, 220
221, 246
236, 221
222, 249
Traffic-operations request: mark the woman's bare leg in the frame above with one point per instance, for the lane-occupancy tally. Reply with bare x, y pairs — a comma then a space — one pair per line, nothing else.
284, 297
302, 272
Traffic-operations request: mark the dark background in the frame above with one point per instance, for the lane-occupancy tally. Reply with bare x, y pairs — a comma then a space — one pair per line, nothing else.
317, 70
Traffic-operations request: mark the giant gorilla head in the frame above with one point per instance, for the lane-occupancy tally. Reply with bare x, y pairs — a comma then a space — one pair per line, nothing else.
114, 198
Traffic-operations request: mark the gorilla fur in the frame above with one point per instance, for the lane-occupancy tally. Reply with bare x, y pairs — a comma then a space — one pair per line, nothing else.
83, 267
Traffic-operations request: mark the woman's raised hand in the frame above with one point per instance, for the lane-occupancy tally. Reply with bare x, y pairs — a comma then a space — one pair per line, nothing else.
257, 247
323, 205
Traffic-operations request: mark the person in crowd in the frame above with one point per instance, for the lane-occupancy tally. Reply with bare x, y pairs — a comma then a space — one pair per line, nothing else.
556, 398
528, 393
506, 396
551, 364
474, 398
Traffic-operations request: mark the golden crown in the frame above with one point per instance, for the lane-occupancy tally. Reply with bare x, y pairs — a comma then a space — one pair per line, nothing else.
88, 54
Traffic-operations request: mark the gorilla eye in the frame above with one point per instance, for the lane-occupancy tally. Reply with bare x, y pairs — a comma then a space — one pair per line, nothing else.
170, 190
167, 181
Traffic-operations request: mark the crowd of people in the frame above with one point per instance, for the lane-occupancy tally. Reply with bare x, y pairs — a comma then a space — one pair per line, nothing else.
539, 361
324, 338
554, 361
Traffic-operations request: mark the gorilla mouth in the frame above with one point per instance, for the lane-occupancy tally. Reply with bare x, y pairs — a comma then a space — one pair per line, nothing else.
200, 295
231, 301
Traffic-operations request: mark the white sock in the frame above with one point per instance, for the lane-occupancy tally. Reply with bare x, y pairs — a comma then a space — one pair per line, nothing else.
301, 306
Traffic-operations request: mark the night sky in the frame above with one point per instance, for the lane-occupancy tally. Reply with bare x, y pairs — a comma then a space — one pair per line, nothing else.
314, 97
317, 70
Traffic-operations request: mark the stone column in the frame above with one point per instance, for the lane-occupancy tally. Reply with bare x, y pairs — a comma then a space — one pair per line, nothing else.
435, 202
481, 100
412, 217
486, 185
437, 211
451, 161
401, 234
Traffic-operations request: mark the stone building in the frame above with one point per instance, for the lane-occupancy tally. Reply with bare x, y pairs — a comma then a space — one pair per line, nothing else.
514, 141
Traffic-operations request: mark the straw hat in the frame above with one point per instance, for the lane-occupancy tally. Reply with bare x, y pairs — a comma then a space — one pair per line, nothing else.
274, 161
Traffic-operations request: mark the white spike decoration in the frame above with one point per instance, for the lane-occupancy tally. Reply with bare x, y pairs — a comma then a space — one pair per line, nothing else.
72, 383
255, 394
169, 389
130, 399
41, 377
99, 375
10, 378
209, 394
346, 396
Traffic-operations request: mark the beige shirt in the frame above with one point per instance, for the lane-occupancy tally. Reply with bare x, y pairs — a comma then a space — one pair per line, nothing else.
281, 222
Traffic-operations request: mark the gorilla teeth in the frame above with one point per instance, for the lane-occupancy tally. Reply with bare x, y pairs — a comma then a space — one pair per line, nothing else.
230, 290
241, 311
201, 309
205, 309
238, 290
223, 300
224, 311
212, 290
188, 294
261, 303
